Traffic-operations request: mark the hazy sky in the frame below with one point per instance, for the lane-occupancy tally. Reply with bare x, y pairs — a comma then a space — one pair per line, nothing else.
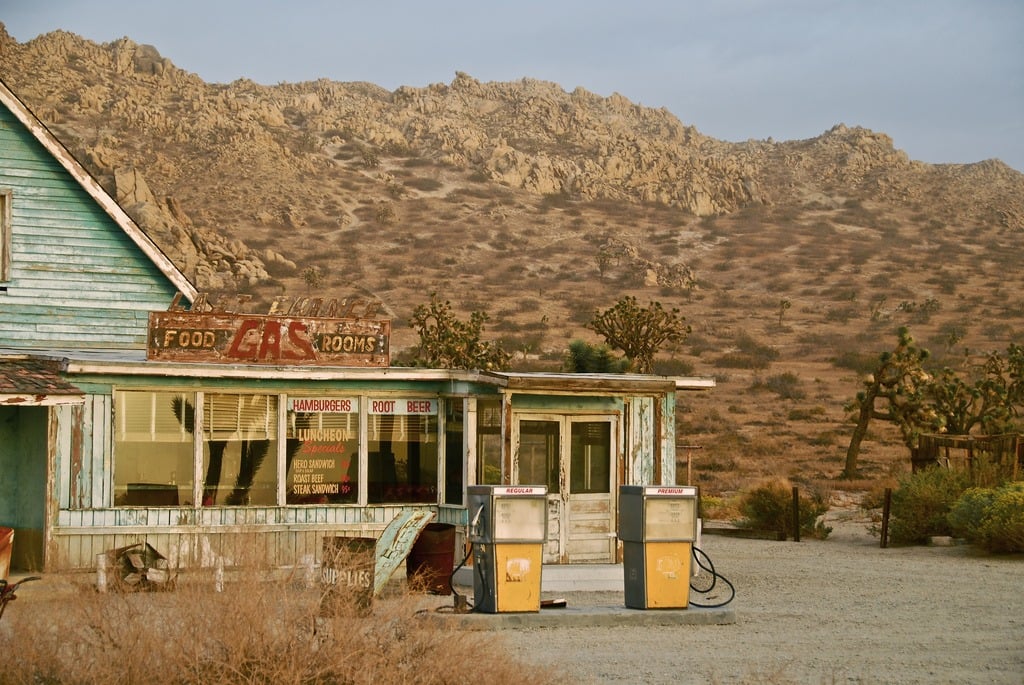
943, 78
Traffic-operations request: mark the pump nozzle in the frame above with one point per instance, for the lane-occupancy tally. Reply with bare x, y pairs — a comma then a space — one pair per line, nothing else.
476, 520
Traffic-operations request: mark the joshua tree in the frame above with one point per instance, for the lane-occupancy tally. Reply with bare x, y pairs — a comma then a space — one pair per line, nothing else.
449, 343
639, 331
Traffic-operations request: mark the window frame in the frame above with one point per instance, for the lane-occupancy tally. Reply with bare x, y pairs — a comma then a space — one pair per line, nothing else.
200, 436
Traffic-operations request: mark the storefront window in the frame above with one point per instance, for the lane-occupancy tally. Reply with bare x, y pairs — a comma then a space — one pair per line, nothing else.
488, 442
153, 437
454, 431
322, 450
402, 450
239, 450
240, 447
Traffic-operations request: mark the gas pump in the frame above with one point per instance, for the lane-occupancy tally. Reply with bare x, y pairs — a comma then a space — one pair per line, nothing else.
658, 526
508, 526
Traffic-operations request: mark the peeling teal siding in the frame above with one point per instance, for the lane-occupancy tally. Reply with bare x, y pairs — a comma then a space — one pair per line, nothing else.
77, 280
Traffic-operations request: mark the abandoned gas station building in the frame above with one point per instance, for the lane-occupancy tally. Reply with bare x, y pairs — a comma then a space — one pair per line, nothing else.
131, 410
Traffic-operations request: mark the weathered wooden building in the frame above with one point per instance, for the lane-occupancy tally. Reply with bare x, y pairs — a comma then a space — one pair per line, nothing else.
131, 411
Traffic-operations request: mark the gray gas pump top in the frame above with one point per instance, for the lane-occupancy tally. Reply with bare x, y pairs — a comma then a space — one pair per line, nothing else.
507, 513
649, 513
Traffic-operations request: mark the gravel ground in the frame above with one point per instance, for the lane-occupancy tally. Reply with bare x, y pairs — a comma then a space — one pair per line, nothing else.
841, 610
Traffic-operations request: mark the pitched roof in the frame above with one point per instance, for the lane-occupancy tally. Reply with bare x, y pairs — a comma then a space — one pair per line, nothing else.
96, 191
35, 381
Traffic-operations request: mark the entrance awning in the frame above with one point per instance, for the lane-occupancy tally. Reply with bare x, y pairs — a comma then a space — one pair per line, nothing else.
36, 382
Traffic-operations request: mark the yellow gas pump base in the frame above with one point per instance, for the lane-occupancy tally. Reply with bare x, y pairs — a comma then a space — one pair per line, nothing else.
668, 575
657, 575
518, 576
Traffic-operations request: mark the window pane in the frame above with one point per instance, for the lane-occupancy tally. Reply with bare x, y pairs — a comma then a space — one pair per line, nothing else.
538, 453
488, 442
590, 469
454, 430
153, 448
403, 454
322, 450
240, 450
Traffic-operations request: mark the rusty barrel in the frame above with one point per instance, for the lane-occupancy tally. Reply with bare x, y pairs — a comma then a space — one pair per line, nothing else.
432, 559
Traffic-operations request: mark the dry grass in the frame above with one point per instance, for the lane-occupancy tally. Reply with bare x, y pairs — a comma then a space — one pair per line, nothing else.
253, 631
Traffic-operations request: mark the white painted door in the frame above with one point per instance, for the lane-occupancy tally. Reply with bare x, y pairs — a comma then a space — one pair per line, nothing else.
575, 457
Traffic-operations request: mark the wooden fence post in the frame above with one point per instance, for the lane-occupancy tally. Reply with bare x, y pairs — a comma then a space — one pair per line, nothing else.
885, 517
796, 514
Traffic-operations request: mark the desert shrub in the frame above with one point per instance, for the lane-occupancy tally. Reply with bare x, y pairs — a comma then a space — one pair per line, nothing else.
785, 385
769, 506
874, 496
922, 502
841, 314
823, 439
805, 413
256, 630
992, 518
861, 362
716, 508
749, 354
424, 184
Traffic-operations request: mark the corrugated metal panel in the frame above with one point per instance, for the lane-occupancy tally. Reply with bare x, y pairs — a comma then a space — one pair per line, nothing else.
77, 278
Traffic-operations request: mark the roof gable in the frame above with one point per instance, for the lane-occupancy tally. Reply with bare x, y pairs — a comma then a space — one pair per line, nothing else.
109, 205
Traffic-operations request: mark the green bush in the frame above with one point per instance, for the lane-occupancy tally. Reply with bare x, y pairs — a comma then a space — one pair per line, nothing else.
992, 518
922, 502
769, 506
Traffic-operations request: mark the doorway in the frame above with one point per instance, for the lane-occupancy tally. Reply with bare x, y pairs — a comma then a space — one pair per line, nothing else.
575, 457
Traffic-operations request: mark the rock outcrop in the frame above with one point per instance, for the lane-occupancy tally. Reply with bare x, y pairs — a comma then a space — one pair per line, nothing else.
268, 154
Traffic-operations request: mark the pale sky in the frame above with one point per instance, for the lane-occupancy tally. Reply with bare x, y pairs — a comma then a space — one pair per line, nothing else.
943, 78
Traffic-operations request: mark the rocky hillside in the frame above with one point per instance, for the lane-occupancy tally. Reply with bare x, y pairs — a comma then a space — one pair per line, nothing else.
794, 261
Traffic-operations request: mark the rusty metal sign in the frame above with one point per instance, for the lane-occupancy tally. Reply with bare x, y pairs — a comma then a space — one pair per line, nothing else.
234, 338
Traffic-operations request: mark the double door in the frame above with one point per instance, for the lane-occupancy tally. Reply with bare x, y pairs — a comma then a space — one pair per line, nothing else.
576, 457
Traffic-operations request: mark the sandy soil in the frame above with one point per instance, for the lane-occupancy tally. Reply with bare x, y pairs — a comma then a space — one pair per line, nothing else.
841, 610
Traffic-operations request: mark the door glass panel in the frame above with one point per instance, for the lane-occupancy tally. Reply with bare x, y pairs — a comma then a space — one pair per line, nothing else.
488, 442
538, 453
590, 461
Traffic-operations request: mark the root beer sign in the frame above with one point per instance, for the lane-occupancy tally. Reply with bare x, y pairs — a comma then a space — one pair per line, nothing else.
236, 338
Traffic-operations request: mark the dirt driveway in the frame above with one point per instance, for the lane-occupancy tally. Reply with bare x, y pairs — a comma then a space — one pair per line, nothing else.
840, 610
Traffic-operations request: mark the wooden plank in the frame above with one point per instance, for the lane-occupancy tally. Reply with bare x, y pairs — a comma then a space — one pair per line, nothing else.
395, 543
583, 505
580, 528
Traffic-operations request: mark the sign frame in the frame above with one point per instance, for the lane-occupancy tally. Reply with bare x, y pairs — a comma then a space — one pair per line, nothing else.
265, 339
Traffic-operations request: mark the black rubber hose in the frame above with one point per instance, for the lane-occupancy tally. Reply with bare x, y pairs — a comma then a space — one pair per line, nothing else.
715, 577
